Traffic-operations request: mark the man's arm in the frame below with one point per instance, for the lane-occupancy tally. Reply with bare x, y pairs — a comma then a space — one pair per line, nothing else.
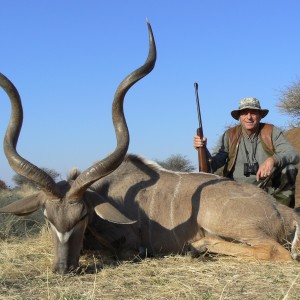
285, 153
220, 155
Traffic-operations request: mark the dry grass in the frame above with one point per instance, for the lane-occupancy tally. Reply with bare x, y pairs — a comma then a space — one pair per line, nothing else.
25, 273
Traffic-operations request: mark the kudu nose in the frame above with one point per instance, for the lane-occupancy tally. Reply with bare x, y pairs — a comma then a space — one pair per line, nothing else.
64, 268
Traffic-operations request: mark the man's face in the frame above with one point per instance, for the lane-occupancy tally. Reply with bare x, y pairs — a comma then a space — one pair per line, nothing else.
249, 119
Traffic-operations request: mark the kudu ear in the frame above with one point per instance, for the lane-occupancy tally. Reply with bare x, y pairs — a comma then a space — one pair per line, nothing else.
24, 206
109, 213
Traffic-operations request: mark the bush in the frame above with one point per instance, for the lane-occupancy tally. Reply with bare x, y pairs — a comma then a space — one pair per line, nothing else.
3, 185
289, 102
177, 162
20, 180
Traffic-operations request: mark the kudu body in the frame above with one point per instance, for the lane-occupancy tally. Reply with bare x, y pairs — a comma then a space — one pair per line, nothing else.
67, 205
178, 212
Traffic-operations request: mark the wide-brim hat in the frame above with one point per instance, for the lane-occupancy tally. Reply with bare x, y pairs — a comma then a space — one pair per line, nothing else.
249, 103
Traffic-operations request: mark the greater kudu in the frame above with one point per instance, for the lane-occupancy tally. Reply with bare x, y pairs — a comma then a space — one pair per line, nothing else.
68, 205
178, 212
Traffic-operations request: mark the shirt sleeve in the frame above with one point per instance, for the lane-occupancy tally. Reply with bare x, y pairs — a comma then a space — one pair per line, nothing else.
285, 153
220, 155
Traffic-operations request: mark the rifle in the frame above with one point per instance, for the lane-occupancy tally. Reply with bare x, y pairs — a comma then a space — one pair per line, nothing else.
202, 157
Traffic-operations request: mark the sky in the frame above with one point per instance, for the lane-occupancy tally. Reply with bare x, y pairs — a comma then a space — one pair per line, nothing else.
67, 58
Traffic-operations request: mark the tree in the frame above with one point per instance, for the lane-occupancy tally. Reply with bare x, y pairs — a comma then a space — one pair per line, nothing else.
20, 180
177, 162
3, 185
289, 102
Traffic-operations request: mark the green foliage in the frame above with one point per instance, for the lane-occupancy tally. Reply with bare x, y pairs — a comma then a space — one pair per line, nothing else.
177, 162
289, 102
20, 180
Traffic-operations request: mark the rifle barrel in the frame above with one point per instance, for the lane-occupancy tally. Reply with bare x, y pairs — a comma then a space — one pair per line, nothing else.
198, 104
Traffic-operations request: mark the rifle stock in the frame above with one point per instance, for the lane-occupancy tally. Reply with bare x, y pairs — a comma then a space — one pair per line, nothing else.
202, 157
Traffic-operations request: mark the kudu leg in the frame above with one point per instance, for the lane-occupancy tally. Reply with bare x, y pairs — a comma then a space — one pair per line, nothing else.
267, 250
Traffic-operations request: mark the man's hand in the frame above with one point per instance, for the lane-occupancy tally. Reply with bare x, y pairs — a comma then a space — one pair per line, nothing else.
265, 168
199, 142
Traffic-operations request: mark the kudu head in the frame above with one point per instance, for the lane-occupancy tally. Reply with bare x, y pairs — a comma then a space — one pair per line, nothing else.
67, 204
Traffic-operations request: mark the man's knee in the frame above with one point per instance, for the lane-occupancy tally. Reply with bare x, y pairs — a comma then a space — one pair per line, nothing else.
285, 178
290, 172
283, 185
